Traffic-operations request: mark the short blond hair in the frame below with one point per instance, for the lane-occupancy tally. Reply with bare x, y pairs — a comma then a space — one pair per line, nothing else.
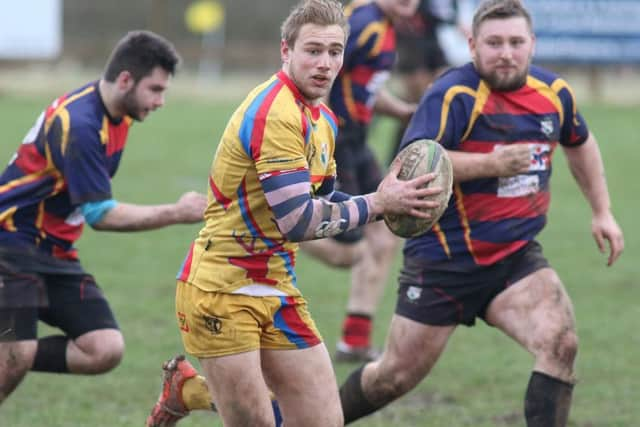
499, 9
319, 12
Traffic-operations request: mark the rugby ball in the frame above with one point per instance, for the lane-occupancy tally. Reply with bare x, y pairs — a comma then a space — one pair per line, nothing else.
418, 158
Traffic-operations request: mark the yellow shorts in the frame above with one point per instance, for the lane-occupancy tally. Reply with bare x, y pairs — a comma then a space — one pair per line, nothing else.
219, 324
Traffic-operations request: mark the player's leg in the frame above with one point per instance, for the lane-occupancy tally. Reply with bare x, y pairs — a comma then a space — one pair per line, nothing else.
411, 351
382, 247
304, 383
182, 391
537, 312
22, 294
242, 396
216, 339
17, 347
334, 253
369, 277
297, 367
369, 274
93, 343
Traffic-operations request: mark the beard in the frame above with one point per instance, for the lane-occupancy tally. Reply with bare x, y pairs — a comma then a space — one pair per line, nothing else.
504, 84
131, 106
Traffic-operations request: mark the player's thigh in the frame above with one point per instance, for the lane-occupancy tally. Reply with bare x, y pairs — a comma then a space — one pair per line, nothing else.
380, 240
413, 347
337, 252
310, 396
533, 310
240, 393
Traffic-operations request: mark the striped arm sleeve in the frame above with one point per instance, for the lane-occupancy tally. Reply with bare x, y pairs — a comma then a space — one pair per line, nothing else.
301, 217
327, 191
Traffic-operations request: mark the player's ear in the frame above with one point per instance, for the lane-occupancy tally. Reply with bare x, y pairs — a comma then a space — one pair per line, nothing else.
125, 81
472, 45
285, 51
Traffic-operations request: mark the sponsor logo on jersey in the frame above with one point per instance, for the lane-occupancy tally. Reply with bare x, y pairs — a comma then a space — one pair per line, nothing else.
546, 126
324, 154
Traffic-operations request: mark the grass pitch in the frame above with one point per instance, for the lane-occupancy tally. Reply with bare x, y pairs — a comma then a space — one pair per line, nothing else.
481, 378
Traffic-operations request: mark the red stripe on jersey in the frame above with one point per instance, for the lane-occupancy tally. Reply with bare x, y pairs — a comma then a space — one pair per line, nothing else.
488, 253
524, 101
71, 254
117, 137
472, 146
292, 318
330, 113
489, 207
305, 126
389, 40
477, 146
57, 227
282, 172
363, 113
260, 121
244, 201
186, 265
318, 178
51, 109
282, 76
220, 198
361, 75
29, 160
257, 266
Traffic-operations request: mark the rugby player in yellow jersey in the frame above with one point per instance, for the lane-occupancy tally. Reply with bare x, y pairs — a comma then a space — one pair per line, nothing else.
238, 305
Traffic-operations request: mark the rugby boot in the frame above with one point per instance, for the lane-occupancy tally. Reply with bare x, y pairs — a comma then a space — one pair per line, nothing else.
170, 408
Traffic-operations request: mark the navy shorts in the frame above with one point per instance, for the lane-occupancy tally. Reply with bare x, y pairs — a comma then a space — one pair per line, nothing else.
437, 297
358, 170
68, 299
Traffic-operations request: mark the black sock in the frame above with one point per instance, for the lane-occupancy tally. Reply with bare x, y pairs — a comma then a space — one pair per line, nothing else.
547, 401
354, 403
51, 355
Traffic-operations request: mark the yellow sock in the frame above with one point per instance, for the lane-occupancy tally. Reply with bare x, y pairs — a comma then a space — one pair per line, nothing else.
195, 394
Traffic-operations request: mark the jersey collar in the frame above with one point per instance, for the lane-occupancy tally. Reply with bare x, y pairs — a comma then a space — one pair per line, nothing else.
315, 110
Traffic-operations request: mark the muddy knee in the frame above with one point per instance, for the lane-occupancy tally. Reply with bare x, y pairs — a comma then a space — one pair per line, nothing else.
391, 385
557, 354
15, 362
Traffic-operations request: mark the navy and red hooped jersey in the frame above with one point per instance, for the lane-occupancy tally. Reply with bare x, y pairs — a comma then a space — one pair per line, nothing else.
368, 59
488, 219
65, 160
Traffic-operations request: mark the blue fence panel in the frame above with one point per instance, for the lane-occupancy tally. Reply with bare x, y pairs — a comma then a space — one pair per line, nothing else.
586, 31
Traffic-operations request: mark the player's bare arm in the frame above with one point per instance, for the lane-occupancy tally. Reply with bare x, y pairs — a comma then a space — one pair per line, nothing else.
585, 163
130, 217
509, 160
390, 105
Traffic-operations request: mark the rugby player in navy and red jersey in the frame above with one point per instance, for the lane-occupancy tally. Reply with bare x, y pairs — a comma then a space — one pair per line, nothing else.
500, 119
369, 57
59, 179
